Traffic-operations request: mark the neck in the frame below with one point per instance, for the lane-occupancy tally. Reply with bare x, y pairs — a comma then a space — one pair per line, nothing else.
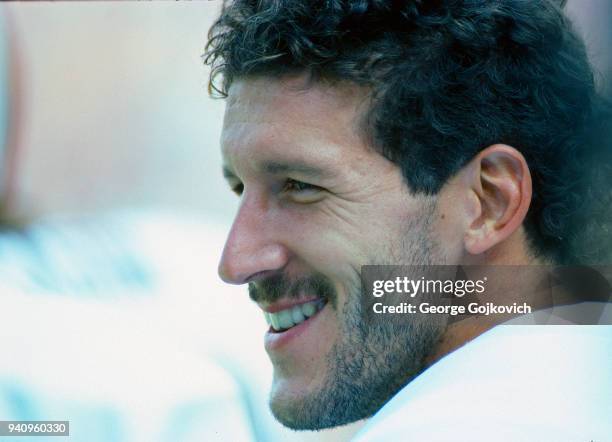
504, 288
458, 334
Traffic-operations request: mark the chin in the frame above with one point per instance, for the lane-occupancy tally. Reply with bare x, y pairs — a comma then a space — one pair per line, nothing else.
289, 414
292, 405
305, 407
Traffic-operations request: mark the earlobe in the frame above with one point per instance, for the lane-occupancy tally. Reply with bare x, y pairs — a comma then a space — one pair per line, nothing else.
501, 188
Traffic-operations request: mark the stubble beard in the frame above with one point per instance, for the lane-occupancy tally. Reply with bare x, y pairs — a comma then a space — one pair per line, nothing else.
372, 361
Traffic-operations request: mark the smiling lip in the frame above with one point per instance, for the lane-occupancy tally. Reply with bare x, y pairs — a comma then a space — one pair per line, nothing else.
285, 304
275, 341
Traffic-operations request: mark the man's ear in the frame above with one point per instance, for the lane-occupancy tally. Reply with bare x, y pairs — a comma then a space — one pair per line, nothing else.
500, 185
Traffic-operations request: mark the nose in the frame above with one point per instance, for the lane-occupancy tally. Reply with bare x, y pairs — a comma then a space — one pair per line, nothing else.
252, 249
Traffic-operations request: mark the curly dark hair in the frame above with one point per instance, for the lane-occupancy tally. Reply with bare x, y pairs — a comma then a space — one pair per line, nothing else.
448, 78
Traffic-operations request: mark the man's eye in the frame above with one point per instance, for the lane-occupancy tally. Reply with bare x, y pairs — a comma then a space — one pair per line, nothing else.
298, 186
302, 192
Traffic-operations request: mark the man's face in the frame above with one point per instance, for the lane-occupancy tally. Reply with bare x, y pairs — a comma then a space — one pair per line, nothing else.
317, 203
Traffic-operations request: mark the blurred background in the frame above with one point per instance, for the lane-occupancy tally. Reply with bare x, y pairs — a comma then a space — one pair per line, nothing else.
113, 215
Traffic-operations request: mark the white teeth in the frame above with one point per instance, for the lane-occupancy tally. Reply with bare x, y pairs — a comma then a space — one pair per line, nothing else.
284, 319
274, 321
309, 309
296, 315
291, 317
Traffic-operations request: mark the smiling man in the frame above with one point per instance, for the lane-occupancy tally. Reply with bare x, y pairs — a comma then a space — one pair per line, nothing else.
396, 133
317, 204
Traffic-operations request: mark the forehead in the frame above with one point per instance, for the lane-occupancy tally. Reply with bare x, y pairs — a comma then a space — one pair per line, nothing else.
268, 118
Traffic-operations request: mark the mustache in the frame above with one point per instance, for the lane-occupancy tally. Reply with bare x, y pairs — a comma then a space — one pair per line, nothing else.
278, 286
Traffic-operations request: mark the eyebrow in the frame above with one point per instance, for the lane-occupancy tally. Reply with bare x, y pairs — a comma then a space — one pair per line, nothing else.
277, 167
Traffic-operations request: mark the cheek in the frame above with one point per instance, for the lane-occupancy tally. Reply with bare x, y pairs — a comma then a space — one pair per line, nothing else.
323, 238
336, 238
448, 231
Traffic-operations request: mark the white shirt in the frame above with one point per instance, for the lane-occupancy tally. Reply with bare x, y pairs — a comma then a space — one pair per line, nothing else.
513, 383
